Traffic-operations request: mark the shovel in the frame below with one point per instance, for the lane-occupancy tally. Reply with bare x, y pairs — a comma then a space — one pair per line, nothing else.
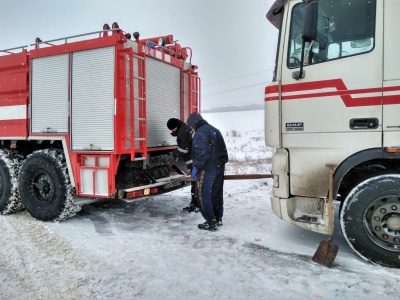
327, 250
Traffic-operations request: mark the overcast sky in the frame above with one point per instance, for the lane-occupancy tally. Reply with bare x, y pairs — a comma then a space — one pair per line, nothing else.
233, 43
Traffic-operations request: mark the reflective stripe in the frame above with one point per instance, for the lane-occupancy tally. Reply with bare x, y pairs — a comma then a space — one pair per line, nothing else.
189, 162
199, 189
182, 150
15, 112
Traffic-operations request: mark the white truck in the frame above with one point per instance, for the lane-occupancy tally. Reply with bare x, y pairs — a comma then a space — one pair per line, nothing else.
335, 99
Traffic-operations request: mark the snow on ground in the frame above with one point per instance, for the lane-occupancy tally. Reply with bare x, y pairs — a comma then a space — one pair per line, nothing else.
150, 249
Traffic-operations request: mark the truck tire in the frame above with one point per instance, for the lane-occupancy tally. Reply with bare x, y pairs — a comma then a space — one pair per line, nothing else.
370, 219
10, 162
45, 186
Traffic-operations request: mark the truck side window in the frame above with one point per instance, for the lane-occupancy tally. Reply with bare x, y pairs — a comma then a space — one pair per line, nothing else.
345, 28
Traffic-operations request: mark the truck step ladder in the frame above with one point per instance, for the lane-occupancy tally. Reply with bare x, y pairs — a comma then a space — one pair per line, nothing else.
138, 134
194, 88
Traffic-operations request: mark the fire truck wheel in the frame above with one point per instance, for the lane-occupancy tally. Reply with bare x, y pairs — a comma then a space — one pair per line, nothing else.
10, 162
45, 187
370, 219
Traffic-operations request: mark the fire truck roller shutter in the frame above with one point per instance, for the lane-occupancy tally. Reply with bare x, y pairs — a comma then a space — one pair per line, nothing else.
92, 100
163, 94
49, 94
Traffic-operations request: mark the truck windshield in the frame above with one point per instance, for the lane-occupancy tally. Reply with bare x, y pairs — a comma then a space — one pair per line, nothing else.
345, 28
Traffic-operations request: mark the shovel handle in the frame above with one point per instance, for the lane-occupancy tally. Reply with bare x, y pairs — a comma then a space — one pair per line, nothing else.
330, 203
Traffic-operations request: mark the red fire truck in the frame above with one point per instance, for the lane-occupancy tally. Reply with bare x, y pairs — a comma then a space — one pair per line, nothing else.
84, 118
335, 100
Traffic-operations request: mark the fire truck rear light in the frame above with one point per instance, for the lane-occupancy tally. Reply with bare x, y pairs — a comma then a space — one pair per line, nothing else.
392, 149
141, 193
134, 194
276, 180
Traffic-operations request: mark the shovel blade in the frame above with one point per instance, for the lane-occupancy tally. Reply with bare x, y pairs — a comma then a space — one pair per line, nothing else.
326, 253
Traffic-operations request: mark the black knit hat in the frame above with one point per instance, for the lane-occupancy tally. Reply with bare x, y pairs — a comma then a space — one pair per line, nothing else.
173, 123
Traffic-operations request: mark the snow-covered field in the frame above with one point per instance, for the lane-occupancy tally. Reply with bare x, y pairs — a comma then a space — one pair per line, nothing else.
150, 249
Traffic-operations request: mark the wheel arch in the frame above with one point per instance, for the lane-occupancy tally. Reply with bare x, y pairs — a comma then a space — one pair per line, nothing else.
63, 147
361, 164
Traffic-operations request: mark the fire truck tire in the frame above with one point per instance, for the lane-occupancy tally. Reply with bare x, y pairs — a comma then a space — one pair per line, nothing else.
10, 162
370, 219
45, 186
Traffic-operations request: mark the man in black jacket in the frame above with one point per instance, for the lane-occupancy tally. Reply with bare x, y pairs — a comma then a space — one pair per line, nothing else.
184, 135
209, 155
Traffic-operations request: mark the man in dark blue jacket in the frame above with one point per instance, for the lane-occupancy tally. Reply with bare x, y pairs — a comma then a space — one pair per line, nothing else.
184, 136
209, 156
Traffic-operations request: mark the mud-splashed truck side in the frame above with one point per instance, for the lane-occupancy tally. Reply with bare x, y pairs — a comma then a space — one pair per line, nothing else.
335, 99
84, 118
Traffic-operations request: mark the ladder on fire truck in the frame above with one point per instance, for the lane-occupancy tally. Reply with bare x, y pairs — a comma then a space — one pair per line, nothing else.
194, 93
137, 105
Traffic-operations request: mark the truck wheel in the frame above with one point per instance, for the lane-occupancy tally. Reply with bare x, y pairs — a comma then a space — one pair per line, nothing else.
45, 187
10, 162
370, 219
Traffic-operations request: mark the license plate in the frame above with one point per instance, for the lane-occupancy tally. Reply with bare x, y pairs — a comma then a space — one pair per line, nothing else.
171, 184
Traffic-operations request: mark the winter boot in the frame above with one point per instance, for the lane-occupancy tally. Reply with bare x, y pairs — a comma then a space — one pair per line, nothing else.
219, 221
208, 225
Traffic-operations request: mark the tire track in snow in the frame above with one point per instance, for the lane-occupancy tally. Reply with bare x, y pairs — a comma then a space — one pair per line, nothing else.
37, 253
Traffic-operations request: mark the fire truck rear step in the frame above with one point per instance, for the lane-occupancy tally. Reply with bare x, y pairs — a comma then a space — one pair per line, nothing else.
166, 183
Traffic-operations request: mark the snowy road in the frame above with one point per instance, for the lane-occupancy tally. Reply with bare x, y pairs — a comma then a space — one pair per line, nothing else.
152, 250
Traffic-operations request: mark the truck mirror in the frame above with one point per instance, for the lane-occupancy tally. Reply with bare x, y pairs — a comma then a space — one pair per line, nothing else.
310, 20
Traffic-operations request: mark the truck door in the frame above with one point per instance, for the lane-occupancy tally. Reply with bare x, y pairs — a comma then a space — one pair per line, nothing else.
336, 108
391, 76
92, 99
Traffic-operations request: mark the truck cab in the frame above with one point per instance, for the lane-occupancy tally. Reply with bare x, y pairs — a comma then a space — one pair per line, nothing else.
334, 100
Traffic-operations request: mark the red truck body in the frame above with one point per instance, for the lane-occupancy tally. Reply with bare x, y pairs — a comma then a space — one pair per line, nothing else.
102, 102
